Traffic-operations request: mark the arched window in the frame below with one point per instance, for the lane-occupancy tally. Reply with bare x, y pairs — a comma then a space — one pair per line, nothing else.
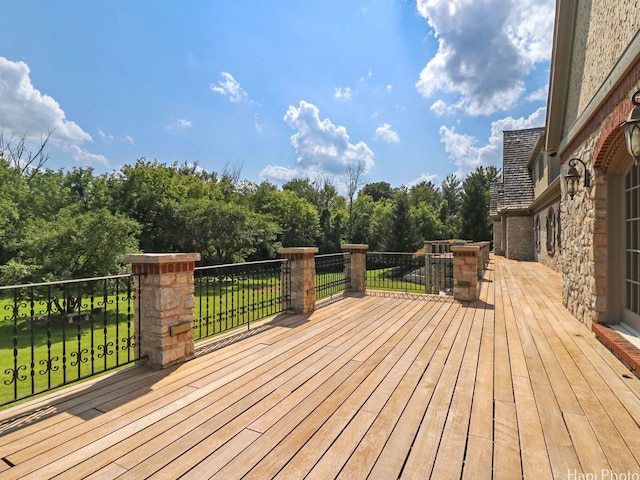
537, 232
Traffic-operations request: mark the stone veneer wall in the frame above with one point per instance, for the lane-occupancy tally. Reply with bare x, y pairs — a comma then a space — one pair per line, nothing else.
554, 259
583, 296
497, 237
519, 241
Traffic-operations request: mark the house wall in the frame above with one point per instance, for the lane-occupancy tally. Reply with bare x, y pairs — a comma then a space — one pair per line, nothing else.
519, 243
553, 257
604, 31
497, 237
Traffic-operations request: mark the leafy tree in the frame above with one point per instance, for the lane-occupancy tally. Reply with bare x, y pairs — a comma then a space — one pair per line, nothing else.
381, 230
363, 210
297, 219
378, 191
424, 192
449, 208
354, 175
150, 193
223, 232
474, 211
427, 224
403, 235
72, 244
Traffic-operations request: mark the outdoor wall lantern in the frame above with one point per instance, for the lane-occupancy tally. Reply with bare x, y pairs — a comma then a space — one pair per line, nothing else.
573, 177
632, 128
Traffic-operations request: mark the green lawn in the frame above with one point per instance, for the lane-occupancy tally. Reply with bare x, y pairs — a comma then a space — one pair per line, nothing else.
41, 350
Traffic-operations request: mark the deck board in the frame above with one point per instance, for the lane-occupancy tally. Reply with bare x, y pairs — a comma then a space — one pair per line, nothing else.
509, 386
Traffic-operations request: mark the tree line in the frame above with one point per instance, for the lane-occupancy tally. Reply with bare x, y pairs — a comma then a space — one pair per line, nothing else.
65, 224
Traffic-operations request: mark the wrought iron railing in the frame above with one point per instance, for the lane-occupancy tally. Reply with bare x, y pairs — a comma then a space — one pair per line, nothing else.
54, 334
410, 272
229, 296
332, 274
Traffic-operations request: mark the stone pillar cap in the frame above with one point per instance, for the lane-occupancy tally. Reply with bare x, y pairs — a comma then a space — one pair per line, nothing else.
161, 258
354, 246
298, 250
465, 248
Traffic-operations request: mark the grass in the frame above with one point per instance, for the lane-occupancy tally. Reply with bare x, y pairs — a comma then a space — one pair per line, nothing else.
380, 279
43, 350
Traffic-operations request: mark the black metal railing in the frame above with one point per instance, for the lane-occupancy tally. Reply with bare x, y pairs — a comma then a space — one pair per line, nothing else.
229, 296
333, 275
410, 272
57, 333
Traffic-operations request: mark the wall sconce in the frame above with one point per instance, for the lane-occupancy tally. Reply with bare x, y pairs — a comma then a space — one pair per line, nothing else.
573, 177
632, 128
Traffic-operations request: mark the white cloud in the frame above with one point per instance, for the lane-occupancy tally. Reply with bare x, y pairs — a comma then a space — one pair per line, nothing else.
539, 95
466, 154
386, 133
258, 123
425, 177
343, 93
486, 48
83, 156
322, 147
320, 143
367, 76
180, 125
230, 88
107, 137
24, 110
279, 173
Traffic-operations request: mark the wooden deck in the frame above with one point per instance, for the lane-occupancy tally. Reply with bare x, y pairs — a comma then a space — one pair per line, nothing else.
371, 387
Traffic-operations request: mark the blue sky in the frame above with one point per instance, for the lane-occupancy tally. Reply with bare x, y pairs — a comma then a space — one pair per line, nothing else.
411, 89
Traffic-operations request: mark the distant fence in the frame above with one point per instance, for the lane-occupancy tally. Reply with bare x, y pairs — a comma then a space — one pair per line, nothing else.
410, 272
53, 334
229, 296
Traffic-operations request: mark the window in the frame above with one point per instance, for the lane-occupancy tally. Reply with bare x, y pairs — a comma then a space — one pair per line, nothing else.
632, 248
551, 231
537, 233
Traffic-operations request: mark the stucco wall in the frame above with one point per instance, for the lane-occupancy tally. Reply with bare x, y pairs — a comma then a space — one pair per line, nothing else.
519, 241
610, 27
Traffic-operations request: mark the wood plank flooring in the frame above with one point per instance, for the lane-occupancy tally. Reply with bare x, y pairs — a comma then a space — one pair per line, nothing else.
382, 387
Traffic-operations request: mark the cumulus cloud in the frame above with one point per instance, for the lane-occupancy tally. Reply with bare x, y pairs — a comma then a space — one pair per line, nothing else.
323, 149
230, 88
386, 133
466, 153
486, 48
24, 110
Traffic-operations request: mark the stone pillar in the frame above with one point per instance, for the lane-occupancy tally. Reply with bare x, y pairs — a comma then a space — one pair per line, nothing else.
166, 286
302, 267
465, 272
358, 263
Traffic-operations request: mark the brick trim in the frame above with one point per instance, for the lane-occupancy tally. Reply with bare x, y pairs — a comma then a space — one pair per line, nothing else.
621, 348
465, 254
164, 268
613, 112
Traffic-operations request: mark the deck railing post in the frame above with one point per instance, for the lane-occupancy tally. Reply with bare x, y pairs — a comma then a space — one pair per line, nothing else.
302, 266
466, 260
358, 266
165, 316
